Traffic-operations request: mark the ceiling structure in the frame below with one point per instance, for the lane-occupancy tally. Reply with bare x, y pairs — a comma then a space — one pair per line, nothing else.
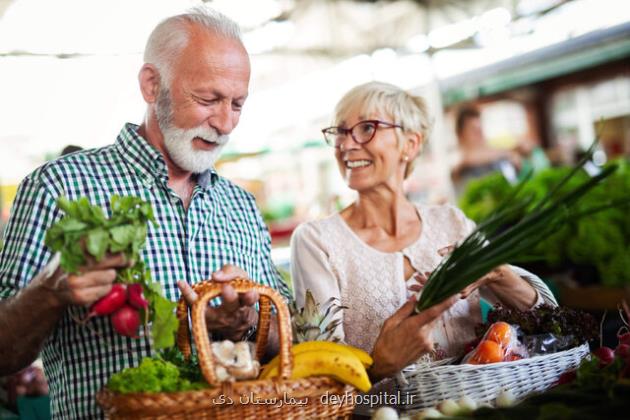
348, 27
76, 61
334, 28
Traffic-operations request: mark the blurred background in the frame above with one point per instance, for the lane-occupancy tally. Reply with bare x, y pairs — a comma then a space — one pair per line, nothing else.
530, 82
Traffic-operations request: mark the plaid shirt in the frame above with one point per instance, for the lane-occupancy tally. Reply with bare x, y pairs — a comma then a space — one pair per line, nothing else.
222, 226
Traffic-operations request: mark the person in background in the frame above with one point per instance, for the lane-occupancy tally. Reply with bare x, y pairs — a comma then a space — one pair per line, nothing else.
30, 381
374, 255
195, 80
71, 148
477, 158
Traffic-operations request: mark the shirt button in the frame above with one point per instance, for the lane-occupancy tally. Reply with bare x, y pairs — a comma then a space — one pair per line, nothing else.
174, 200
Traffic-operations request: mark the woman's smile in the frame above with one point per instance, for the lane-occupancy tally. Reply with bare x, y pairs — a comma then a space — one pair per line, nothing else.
357, 164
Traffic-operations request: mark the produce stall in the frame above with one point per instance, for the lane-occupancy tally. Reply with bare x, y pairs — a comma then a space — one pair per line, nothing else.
191, 374
589, 258
596, 388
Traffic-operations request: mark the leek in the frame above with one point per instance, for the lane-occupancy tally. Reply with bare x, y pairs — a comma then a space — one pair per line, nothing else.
491, 244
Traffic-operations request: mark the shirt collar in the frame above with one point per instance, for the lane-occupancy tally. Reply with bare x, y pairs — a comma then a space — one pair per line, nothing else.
148, 161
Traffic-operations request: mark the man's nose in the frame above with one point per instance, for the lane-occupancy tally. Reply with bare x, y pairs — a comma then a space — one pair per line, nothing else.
224, 119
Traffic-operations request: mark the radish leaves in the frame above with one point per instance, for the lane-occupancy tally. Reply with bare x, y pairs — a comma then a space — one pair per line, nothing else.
86, 231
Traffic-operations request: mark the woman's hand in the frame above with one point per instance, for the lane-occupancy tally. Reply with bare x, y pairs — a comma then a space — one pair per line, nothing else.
507, 286
504, 283
404, 337
496, 276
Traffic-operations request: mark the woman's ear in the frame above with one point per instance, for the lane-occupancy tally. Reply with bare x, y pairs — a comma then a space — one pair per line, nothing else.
413, 145
149, 79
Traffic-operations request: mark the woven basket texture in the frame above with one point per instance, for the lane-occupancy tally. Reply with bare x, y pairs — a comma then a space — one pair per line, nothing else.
428, 385
271, 399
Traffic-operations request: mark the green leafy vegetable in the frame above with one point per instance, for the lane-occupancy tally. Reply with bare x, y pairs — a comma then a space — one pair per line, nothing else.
165, 322
153, 375
189, 368
599, 238
558, 320
491, 244
85, 228
86, 231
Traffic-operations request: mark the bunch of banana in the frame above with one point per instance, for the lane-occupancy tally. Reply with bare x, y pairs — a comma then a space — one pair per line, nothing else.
344, 363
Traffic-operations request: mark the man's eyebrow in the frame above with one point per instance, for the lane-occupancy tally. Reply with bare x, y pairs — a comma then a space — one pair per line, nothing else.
206, 92
215, 93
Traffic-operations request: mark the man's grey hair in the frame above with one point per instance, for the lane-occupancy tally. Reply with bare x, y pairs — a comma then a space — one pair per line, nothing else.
170, 37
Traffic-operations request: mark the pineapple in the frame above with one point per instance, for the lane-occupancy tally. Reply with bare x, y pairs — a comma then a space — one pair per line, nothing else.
312, 324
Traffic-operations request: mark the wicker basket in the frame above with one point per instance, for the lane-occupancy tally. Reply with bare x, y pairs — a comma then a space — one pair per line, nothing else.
277, 398
426, 385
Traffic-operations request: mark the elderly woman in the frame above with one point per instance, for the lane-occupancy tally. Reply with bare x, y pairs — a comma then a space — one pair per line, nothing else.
375, 253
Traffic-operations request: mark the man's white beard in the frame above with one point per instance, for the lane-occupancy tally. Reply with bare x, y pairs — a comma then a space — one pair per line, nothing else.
178, 141
179, 145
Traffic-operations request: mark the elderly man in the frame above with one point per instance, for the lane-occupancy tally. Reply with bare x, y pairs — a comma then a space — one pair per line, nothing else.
195, 81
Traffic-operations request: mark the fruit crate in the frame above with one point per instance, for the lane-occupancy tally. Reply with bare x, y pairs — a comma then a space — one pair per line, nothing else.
425, 385
319, 397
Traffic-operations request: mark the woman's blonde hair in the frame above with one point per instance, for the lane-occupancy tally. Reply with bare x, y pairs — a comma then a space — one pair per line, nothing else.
409, 111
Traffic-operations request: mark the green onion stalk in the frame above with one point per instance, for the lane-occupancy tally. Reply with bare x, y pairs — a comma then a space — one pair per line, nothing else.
491, 244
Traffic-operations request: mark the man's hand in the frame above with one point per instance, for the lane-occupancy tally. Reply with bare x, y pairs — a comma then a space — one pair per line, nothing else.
94, 281
236, 314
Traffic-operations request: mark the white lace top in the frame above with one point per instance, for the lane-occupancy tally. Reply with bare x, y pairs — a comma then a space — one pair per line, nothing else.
328, 258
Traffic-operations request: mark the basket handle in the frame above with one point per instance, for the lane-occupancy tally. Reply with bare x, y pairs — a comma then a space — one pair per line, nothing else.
208, 290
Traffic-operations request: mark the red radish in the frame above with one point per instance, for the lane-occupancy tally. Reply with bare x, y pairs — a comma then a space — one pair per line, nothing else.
136, 297
624, 338
605, 355
109, 303
126, 321
567, 377
623, 351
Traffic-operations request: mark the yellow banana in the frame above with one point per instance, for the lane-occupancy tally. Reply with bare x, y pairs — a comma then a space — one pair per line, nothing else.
342, 366
363, 356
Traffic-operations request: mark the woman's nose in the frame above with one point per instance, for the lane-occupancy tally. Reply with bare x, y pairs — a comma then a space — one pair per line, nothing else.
347, 143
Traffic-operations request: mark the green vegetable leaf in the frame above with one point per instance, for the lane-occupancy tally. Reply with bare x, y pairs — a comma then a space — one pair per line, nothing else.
122, 235
97, 243
85, 230
71, 225
165, 322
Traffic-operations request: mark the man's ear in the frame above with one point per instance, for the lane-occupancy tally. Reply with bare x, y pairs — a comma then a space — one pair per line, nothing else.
149, 79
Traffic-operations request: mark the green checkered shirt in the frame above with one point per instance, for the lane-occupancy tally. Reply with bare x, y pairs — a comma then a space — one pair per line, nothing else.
222, 226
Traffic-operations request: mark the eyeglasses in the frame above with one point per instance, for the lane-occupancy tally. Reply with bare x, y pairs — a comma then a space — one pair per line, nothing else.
362, 132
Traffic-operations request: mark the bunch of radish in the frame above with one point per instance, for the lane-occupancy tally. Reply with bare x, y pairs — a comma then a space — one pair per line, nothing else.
123, 304
607, 356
